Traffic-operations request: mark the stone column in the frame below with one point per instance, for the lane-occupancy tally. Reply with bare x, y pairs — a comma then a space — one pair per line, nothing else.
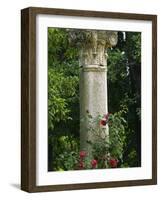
93, 46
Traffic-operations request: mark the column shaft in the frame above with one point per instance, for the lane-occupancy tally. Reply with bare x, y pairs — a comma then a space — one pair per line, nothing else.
93, 99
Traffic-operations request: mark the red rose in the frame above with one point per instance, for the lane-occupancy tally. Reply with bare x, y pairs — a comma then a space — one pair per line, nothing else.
103, 122
82, 154
94, 163
113, 162
81, 165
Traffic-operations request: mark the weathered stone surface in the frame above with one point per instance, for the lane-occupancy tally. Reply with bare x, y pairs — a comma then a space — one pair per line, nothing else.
93, 99
93, 46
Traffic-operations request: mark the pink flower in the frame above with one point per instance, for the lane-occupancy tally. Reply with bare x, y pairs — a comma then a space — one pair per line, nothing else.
82, 154
94, 163
104, 121
113, 162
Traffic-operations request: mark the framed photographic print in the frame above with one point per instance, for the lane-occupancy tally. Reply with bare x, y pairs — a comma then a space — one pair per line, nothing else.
88, 99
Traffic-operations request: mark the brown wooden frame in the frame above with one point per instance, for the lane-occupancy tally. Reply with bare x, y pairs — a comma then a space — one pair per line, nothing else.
28, 98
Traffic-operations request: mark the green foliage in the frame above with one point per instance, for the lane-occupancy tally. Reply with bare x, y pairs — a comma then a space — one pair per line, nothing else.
124, 101
60, 50
65, 152
124, 81
61, 91
133, 49
116, 65
62, 77
117, 125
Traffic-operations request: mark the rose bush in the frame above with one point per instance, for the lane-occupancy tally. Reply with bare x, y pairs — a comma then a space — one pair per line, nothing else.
107, 149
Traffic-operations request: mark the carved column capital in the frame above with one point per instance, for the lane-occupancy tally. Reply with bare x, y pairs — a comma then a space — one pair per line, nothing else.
93, 46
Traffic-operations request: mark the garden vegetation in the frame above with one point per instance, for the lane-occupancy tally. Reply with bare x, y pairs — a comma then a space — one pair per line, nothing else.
124, 103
